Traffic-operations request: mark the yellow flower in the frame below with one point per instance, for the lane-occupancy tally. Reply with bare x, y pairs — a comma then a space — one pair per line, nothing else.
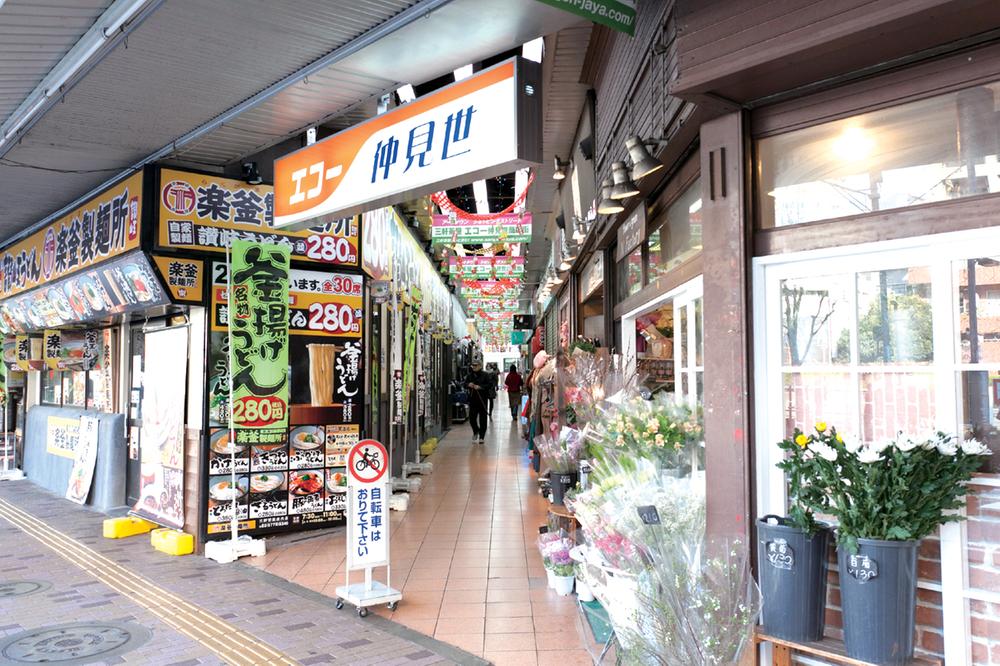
820, 426
802, 440
839, 438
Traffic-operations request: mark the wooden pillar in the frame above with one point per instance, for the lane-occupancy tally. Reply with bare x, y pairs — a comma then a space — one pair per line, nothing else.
725, 225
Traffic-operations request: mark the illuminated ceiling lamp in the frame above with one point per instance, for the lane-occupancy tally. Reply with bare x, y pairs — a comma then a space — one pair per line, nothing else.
623, 187
608, 206
559, 173
579, 230
643, 163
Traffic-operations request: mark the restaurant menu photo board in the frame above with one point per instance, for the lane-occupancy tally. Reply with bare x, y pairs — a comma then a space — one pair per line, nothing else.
301, 480
119, 285
104, 227
202, 212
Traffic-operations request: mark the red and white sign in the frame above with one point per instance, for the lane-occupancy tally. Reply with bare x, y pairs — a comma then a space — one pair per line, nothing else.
367, 505
480, 127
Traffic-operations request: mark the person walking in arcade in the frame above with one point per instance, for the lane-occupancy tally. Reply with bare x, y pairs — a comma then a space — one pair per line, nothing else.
513, 383
481, 385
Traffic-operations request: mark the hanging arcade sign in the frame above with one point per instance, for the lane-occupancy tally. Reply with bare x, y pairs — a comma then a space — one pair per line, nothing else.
493, 304
501, 288
480, 127
511, 228
486, 267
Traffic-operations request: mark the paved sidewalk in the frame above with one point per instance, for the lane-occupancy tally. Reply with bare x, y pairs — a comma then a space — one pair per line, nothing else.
142, 607
464, 555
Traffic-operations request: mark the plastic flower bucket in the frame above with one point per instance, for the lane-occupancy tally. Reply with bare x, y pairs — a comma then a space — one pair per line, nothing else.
793, 574
564, 585
878, 589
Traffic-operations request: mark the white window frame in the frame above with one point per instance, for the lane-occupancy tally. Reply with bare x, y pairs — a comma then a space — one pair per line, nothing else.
937, 252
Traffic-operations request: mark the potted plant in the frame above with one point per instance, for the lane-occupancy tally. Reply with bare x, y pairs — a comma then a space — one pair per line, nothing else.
545, 543
792, 550
562, 567
887, 497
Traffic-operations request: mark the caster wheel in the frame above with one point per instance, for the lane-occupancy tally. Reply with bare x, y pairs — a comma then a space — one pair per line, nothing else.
340, 604
394, 605
362, 612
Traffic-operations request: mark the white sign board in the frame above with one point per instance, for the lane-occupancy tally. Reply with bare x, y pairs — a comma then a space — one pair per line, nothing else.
367, 505
82, 475
482, 126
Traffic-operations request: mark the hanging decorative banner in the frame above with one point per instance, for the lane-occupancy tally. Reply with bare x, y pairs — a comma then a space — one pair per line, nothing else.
397, 396
496, 304
616, 14
511, 228
29, 352
486, 267
480, 127
258, 331
501, 288
409, 353
51, 349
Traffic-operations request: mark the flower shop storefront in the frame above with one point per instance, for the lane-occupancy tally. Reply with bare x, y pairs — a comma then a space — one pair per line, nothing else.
885, 355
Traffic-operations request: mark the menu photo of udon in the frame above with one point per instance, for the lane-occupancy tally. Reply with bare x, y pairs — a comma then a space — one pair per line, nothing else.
305, 492
336, 489
221, 493
307, 447
269, 495
221, 449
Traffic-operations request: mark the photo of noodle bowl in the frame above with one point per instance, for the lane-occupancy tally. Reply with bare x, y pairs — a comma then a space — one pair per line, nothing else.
221, 444
305, 483
336, 481
266, 482
224, 490
307, 438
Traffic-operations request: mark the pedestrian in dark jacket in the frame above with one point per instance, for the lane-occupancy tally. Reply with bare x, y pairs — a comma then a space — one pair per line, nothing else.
513, 383
480, 385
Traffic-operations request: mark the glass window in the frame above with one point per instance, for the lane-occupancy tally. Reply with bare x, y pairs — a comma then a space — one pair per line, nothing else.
679, 237
51, 387
894, 316
816, 320
74, 389
936, 149
630, 274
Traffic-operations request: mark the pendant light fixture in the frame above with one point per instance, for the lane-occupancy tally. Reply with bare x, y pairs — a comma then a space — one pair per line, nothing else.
560, 169
643, 163
608, 206
623, 187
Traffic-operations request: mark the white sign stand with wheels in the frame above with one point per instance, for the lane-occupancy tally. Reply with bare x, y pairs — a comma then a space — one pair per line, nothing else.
367, 527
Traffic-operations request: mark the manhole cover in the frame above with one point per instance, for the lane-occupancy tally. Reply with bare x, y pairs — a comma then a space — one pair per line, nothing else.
73, 643
21, 588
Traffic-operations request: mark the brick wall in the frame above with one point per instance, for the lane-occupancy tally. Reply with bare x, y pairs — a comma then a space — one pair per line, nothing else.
983, 538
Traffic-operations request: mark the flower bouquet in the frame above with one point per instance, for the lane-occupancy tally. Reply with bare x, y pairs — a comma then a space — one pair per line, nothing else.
658, 429
886, 497
561, 453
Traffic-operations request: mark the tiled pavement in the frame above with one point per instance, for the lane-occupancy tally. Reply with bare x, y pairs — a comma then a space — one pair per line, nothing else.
300, 623
464, 554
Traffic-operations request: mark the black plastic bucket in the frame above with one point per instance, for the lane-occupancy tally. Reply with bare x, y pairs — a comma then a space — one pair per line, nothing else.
878, 589
560, 483
793, 572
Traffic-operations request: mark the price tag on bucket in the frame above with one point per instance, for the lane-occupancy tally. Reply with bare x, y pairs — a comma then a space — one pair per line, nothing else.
648, 514
862, 567
780, 554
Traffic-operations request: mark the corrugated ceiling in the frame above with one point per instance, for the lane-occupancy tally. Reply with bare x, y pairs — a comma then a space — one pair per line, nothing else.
34, 36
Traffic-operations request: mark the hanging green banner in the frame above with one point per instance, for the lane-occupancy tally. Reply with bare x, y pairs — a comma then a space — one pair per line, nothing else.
258, 342
616, 14
409, 352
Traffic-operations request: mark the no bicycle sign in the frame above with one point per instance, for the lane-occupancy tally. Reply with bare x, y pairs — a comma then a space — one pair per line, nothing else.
368, 505
367, 461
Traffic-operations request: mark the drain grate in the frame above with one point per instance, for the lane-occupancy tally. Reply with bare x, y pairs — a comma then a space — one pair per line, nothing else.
73, 643
22, 588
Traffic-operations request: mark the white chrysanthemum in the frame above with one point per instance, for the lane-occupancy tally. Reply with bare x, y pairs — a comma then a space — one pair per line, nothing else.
868, 454
825, 451
947, 446
974, 447
851, 443
905, 444
882, 445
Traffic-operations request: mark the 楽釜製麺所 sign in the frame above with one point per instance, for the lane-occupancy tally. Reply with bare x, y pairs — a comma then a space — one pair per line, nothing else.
258, 343
616, 14
480, 127
368, 505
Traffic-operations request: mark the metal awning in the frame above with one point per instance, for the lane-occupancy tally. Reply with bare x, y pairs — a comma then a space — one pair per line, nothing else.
207, 83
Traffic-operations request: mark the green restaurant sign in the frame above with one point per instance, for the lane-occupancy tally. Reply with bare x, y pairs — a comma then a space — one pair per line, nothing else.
258, 342
616, 14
